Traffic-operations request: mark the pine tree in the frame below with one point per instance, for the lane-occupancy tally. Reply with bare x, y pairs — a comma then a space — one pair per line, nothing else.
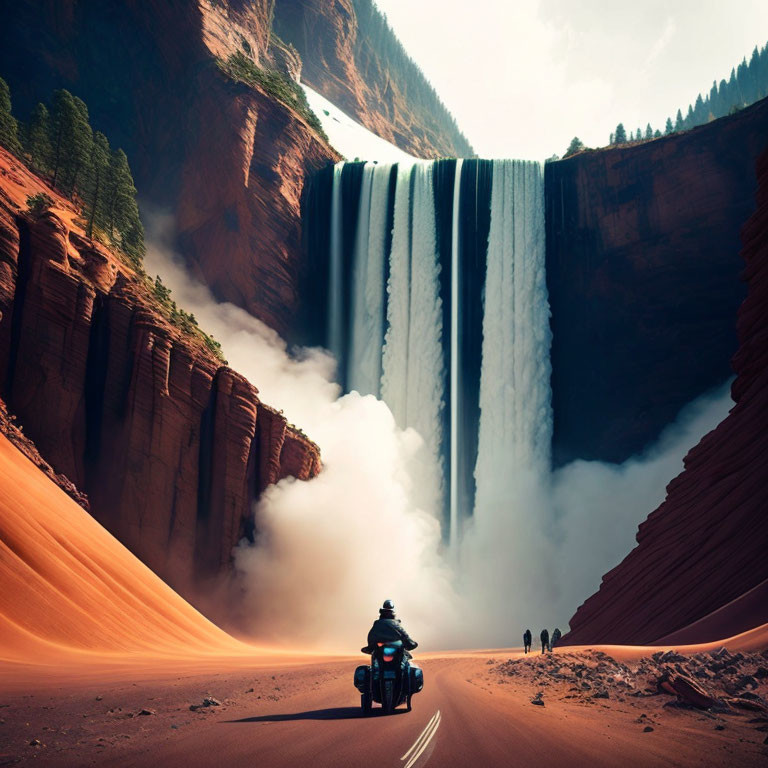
679, 124
723, 103
9, 137
699, 111
668, 127
121, 210
98, 170
63, 117
82, 145
714, 101
689, 119
38, 139
734, 97
657, 134
575, 146
648, 131
621, 134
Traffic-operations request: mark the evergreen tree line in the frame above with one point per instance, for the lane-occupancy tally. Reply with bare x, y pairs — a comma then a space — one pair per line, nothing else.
59, 142
747, 84
375, 34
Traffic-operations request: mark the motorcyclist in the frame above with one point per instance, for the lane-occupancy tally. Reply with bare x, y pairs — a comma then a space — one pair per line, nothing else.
388, 628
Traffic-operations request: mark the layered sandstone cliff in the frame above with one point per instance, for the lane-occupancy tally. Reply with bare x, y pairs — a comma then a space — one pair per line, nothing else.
352, 58
171, 447
700, 556
643, 275
227, 160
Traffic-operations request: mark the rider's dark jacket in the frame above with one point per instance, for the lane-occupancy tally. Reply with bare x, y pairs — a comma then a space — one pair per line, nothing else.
386, 629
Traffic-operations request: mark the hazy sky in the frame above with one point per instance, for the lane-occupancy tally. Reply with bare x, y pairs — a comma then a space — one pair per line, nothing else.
523, 77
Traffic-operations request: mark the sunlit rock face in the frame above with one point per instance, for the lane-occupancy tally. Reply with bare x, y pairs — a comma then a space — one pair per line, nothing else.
351, 60
227, 160
644, 279
703, 549
171, 446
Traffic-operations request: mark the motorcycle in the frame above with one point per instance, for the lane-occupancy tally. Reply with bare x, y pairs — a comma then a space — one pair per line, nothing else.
389, 680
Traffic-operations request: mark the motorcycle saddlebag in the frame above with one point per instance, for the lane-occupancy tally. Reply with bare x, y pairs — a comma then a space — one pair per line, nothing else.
417, 679
362, 678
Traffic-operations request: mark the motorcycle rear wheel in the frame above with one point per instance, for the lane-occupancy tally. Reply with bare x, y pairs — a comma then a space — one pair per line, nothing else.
387, 703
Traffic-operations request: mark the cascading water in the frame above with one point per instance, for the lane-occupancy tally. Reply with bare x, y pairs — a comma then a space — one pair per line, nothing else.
437, 303
515, 417
453, 470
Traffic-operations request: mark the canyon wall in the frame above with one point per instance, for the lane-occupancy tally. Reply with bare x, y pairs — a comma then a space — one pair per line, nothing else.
643, 274
227, 160
352, 57
171, 447
700, 557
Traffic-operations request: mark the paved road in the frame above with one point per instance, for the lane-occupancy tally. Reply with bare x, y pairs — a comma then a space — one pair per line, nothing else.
457, 720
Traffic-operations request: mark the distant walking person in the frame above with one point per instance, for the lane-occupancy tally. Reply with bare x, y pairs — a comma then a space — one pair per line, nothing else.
527, 638
544, 636
556, 635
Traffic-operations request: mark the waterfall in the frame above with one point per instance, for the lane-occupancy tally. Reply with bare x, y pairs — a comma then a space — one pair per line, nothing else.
394, 382
515, 412
455, 363
437, 303
368, 298
335, 292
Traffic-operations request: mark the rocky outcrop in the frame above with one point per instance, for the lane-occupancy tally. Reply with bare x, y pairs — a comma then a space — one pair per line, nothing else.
704, 547
227, 160
643, 277
352, 57
171, 447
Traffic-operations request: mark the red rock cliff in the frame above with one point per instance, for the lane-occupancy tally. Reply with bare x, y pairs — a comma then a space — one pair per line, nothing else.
228, 160
171, 447
643, 276
705, 547
352, 58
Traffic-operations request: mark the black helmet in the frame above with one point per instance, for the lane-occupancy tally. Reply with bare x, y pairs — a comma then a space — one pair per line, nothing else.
388, 606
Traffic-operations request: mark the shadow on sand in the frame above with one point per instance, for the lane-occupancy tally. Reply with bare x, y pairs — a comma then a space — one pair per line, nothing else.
333, 713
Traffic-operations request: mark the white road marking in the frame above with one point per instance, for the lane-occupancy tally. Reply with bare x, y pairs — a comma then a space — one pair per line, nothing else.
422, 742
421, 736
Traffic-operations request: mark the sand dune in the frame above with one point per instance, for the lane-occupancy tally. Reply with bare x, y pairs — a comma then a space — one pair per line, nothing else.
69, 587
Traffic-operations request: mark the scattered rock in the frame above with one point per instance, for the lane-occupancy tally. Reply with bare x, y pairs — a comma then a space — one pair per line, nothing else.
208, 701
601, 695
250, 690
744, 701
686, 689
719, 727
146, 712
99, 698
647, 729
34, 743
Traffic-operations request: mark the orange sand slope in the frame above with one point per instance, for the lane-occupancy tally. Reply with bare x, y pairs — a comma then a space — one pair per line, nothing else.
67, 586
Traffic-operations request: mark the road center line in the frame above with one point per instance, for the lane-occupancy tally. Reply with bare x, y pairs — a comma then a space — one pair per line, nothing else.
421, 736
423, 741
